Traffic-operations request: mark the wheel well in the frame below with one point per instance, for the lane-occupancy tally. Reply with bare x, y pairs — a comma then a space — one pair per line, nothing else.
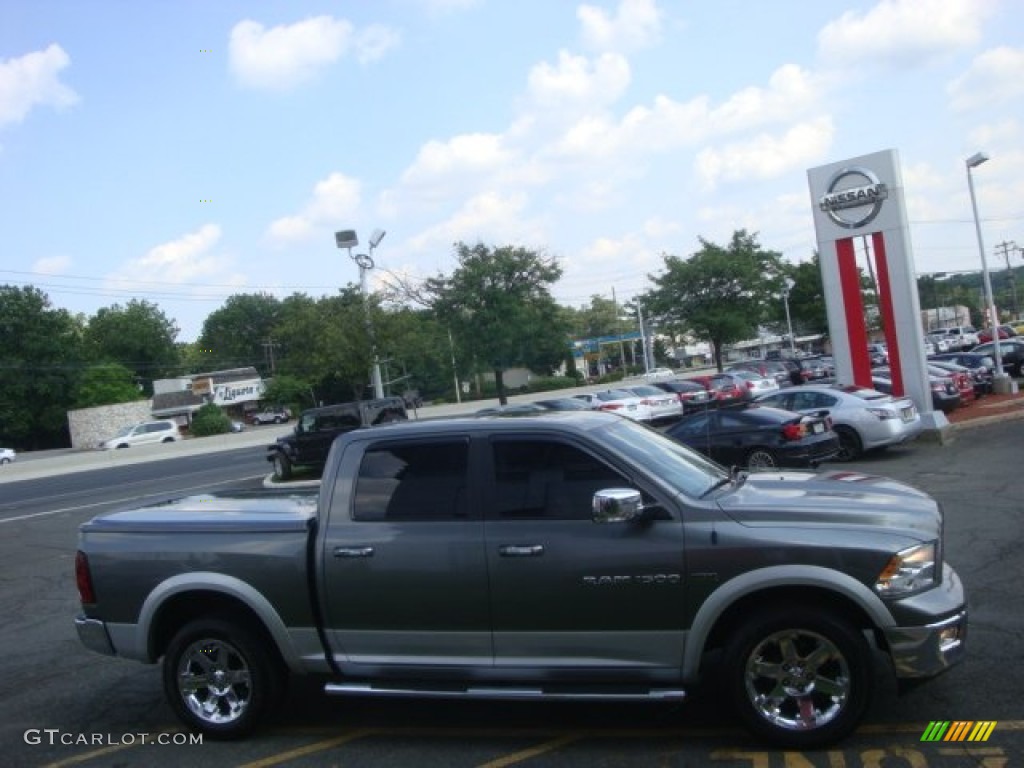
189, 606
818, 598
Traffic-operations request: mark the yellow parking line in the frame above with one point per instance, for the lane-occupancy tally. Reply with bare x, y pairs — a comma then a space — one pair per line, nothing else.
309, 749
526, 754
92, 755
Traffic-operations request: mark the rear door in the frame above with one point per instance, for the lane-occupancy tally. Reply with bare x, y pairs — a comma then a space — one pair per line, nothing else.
404, 578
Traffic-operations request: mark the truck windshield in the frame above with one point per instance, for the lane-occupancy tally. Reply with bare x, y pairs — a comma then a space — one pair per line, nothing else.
679, 466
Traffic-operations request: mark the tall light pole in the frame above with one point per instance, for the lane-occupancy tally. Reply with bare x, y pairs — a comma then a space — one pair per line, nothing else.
1001, 383
787, 286
347, 239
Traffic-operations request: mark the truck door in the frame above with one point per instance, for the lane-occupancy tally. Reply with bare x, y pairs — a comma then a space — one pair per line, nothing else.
568, 593
404, 576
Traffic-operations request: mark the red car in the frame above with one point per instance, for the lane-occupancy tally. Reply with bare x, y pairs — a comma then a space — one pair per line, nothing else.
723, 388
1005, 332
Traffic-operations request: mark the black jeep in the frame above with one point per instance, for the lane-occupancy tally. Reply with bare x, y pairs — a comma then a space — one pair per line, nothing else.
310, 442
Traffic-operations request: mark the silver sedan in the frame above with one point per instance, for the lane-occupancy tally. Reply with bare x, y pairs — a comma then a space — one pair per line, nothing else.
863, 418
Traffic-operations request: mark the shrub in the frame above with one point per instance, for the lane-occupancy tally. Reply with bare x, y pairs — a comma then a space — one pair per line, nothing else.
210, 420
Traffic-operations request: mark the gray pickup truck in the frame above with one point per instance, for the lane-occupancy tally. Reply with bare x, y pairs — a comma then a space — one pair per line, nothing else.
551, 556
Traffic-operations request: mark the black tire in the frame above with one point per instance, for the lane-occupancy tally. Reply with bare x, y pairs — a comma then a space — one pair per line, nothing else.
278, 420
4, 461
759, 459
799, 678
850, 446
282, 466
167, 440
221, 678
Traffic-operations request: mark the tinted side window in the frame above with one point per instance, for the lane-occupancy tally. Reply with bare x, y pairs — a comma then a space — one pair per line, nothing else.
548, 480
698, 425
422, 481
347, 418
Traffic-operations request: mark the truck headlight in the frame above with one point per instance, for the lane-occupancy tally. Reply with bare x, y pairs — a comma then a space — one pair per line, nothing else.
909, 571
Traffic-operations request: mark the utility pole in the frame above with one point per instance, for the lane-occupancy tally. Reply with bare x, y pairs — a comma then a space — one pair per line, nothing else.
1006, 248
268, 353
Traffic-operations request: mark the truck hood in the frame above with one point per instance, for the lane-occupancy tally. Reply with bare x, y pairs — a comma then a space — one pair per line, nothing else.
236, 511
832, 499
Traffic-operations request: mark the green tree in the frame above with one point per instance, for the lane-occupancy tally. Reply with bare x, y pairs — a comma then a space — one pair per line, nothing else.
105, 385
721, 293
241, 333
288, 390
806, 300
40, 356
326, 343
139, 336
210, 420
416, 353
499, 308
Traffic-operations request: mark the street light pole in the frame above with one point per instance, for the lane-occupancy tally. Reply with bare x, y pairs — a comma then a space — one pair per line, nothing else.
787, 287
1001, 383
347, 239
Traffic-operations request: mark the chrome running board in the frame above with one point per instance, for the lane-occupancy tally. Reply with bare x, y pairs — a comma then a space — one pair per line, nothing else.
498, 692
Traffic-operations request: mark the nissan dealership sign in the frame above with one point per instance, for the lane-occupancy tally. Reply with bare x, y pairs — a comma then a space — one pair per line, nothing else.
854, 197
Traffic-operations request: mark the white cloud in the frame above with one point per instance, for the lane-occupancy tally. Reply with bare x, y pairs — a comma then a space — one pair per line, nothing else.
577, 81
374, 41
32, 80
995, 77
335, 200
636, 24
52, 265
288, 55
900, 33
178, 262
471, 152
767, 156
492, 216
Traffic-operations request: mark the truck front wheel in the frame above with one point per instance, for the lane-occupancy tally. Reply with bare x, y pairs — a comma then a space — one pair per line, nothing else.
220, 678
799, 678
282, 466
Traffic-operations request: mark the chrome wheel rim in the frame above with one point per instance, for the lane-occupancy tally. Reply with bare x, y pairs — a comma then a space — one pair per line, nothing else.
761, 460
797, 680
214, 681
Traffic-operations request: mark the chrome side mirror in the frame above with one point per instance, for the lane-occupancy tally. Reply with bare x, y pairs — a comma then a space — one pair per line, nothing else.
617, 505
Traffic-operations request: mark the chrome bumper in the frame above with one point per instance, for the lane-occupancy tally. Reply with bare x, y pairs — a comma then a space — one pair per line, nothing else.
928, 645
93, 635
926, 651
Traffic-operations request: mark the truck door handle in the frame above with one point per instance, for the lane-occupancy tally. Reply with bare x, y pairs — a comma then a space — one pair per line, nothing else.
353, 551
511, 550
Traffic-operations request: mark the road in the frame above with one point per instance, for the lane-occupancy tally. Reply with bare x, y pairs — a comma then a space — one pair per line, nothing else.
63, 705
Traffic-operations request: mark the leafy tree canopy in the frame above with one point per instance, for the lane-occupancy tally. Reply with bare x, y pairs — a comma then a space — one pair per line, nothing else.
499, 307
105, 385
138, 335
241, 333
40, 355
721, 293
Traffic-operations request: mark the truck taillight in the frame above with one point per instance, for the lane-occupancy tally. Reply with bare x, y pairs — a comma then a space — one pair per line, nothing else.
610, 407
84, 579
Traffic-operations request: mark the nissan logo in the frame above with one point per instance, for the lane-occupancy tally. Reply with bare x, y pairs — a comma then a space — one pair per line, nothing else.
854, 197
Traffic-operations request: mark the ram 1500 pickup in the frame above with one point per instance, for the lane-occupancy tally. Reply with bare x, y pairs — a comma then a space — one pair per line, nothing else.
562, 555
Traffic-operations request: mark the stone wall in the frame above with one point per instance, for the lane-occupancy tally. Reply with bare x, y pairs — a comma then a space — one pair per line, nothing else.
90, 426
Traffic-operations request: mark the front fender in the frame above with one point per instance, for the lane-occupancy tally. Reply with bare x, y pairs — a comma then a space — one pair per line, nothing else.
775, 577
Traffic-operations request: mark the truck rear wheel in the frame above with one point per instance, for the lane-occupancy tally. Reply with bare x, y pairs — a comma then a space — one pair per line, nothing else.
282, 466
799, 678
220, 678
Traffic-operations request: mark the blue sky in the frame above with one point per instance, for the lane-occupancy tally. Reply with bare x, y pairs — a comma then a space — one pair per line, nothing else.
182, 151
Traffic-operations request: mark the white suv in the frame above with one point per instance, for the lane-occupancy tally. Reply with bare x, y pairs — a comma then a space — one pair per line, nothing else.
961, 336
162, 431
